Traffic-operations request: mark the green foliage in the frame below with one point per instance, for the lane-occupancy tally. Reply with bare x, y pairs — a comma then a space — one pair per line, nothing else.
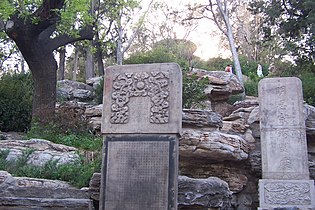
293, 21
77, 173
75, 15
15, 102
159, 54
6, 9
308, 81
249, 67
217, 64
55, 133
234, 98
193, 90
3, 155
251, 86
193, 86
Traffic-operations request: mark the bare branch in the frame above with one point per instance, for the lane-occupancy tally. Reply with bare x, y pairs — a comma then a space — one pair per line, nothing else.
216, 20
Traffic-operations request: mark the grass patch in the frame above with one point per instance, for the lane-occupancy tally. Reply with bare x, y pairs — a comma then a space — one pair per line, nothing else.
77, 173
53, 132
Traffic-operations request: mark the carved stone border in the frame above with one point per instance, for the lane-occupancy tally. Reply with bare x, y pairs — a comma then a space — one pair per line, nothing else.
141, 84
286, 193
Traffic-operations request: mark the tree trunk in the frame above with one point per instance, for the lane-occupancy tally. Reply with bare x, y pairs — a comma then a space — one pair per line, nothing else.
75, 64
89, 64
119, 42
100, 64
36, 44
43, 67
119, 46
62, 59
229, 34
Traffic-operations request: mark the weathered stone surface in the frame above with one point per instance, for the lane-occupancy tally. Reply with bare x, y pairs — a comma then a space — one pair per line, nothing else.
201, 119
32, 193
207, 193
234, 127
144, 98
141, 172
82, 95
94, 81
73, 90
281, 109
221, 84
309, 112
212, 145
247, 103
94, 111
310, 119
41, 151
286, 193
230, 172
11, 136
254, 116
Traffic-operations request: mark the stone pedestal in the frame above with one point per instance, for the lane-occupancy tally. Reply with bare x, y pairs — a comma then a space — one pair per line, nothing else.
141, 121
286, 193
285, 169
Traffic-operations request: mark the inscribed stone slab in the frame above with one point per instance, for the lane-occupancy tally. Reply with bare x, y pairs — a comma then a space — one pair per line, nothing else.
143, 98
139, 173
286, 193
282, 126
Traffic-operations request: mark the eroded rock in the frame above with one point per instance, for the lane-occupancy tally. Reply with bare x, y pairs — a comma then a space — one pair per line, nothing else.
212, 145
40, 151
207, 193
32, 193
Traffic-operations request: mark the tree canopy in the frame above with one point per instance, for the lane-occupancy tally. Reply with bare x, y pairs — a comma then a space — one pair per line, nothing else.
38, 28
293, 21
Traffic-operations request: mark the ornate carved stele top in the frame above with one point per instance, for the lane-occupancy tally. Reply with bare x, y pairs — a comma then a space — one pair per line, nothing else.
142, 98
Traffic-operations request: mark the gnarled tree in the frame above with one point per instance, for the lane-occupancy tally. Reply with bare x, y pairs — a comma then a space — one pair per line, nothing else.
38, 28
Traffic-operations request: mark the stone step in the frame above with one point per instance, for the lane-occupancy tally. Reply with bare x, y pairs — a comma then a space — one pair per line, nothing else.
22, 203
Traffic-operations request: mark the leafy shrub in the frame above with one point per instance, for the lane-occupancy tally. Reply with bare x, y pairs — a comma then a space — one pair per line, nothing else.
193, 90
68, 127
217, 64
308, 82
53, 132
15, 102
251, 86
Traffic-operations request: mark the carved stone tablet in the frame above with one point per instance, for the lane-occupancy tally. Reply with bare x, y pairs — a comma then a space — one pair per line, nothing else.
282, 126
142, 98
139, 173
287, 193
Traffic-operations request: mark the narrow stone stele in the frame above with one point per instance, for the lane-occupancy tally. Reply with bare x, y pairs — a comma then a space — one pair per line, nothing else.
142, 116
285, 179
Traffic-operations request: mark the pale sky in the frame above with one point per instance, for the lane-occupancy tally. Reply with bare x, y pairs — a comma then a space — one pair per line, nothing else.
205, 36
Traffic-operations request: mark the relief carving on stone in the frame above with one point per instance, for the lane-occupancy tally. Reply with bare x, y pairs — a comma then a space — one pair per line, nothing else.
142, 84
287, 193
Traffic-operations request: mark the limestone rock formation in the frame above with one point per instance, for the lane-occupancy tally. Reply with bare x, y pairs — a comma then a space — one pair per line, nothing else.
31, 193
94, 81
203, 193
192, 193
201, 119
221, 84
214, 145
73, 90
40, 151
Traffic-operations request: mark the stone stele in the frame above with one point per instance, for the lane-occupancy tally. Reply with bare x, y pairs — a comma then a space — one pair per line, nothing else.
142, 117
285, 170
143, 98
